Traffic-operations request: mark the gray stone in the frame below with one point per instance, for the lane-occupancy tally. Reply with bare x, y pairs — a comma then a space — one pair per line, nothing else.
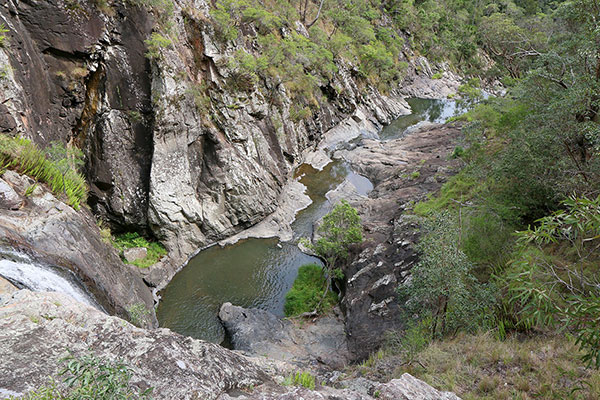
258, 332
40, 328
53, 233
9, 199
135, 253
370, 301
410, 388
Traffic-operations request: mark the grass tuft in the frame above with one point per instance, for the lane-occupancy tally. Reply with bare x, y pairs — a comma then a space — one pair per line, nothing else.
305, 379
25, 157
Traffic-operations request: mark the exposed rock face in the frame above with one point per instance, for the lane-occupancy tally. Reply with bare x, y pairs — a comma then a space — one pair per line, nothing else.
403, 170
260, 333
40, 328
406, 387
135, 253
76, 75
54, 233
172, 145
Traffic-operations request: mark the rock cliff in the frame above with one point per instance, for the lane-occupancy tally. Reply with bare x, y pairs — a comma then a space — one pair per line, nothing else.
173, 146
50, 232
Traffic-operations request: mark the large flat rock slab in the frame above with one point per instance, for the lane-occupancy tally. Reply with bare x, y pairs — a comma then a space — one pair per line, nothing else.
40, 328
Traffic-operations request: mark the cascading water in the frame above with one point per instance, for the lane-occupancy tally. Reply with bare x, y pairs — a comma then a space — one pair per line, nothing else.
23, 271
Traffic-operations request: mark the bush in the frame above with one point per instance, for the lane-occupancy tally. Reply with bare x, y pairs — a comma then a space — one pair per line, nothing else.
155, 44
443, 284
553, 280
307, 291
132, 239
56, 166
90, 377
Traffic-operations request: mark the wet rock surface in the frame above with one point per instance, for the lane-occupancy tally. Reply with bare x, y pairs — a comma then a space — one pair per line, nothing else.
51, 232
320, 343
403, 170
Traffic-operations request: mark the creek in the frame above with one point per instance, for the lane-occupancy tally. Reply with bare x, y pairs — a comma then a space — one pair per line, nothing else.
259, 272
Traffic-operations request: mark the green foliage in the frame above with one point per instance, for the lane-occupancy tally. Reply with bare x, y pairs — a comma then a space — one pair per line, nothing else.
3, 38
554, 277
89, 377
304, 378
132, 239
340, 229
138, 313
306, 292
30, 189
155, 44
412, 340
443, 284
57, 166
458, 188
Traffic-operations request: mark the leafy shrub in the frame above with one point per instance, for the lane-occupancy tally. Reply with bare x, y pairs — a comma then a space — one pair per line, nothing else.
307, 292
90, 377
442, 283
57, 166
554, 278
155, 44
132, 239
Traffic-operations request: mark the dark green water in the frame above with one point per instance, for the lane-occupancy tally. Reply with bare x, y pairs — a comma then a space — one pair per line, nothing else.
422, 110
259, 272
251, 273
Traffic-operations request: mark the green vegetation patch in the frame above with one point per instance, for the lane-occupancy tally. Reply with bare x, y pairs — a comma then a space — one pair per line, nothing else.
57, 166
304, 378
89, 377
129, 240
307, 291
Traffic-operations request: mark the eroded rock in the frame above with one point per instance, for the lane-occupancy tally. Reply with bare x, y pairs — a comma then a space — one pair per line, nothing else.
404, 170
52, 232
258, 332
40, 328
135, 253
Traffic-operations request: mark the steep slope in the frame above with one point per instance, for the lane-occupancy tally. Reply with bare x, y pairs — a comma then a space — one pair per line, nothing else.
176, 144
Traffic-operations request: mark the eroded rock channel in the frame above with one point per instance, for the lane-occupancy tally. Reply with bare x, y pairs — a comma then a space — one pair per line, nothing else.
257, 273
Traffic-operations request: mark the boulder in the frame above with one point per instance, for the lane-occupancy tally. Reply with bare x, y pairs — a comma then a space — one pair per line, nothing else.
9, 199
260, 333
135, 253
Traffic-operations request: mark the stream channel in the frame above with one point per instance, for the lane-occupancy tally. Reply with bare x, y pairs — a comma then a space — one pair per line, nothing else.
257, 273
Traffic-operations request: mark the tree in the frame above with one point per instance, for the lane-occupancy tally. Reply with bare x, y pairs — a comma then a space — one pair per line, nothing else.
442, 283
341, 229
554, 280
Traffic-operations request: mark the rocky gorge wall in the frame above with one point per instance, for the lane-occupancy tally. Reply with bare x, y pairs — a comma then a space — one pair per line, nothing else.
172, 147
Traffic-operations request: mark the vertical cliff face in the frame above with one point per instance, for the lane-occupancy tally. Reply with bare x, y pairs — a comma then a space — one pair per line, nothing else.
74, 74
177, 143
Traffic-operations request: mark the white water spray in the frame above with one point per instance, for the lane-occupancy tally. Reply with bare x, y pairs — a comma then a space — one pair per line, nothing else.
22, 270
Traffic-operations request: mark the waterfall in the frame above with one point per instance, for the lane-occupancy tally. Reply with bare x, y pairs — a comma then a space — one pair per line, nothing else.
21, 270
